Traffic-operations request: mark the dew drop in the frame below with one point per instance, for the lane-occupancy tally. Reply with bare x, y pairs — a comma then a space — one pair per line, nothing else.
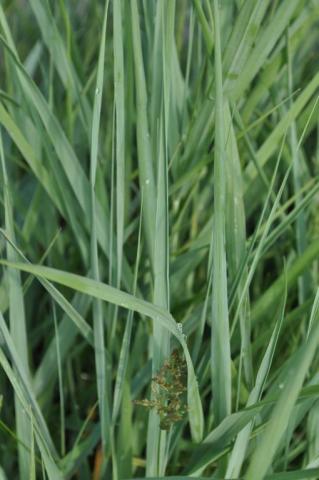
147, 181
97, 91
281, 386
180, 327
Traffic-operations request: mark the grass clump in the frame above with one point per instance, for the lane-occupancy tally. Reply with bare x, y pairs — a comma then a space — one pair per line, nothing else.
159, 239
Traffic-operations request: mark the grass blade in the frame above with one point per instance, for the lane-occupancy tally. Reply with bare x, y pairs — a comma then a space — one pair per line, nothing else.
220, 338
98, 320
17, 322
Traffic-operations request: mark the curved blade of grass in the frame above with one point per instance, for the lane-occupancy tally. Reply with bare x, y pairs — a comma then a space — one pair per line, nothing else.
122, 299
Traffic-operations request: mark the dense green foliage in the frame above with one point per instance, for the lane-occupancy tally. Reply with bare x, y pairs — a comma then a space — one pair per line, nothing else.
159, 239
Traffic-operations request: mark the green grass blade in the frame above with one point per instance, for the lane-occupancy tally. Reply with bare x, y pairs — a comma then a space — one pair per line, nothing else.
236, 238
17, 321
124, 354
119, 95
145, 162
60, 379
98, 320
157, 439
220, 339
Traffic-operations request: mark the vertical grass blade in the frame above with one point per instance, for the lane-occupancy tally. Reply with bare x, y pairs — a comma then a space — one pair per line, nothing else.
161, 342
220, 339
124, 354
60, 379
236, 238
161, 339
146, 173
119, 97
99, 341
17, 321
